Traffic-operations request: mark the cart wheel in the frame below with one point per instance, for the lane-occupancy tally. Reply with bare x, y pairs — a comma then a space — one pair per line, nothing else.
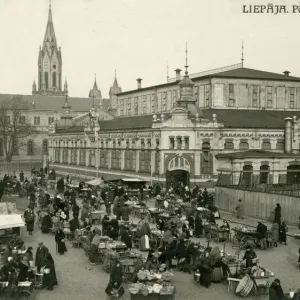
26, 295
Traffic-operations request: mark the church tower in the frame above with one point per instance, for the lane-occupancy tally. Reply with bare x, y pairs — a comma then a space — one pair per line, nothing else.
50, 64
113, 91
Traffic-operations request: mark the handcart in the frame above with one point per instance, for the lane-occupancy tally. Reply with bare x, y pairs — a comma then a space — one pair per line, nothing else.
217, 234
244, 237
25, 290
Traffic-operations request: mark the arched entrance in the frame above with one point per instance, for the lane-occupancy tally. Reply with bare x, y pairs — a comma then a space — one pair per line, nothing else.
293, 174
178, 172
247, 175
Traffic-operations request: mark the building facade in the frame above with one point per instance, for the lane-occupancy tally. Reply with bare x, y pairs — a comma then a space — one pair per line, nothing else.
186, 144
233, 87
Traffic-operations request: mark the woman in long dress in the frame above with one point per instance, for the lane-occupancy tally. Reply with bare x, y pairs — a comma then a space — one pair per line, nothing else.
46, 223
49, 278
60, 241
144, 232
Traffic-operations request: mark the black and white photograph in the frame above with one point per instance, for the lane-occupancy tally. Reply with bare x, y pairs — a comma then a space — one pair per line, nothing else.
149, 150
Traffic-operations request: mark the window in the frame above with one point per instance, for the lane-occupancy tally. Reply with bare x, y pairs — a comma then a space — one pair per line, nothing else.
157, 144
280, 145
174, 97
82, 157
142, 144
45, 146
54, 79
264, 174
186, 143
152, 103
50, 120
179, 142
266, 144
172, 143
206, 159
207, 92
254, 96
46, 79
73, 156
37, 120
231, 102
144, 104
229, 145
22, 119
269, 97
65, 156
129, 106
292, 97
30, 147
243, 145
136, 105
164, 101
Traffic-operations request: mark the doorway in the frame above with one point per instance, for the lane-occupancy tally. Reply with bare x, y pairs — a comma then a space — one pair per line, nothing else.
176, 177
293, 174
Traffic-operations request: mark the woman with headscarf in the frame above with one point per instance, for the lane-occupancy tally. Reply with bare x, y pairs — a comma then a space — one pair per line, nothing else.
49, 278
60, 241
205, 269
46, 223
29, 218
275, 291
116, 273
105, 225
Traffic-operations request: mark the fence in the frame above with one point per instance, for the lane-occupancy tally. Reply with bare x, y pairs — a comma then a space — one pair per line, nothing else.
258, 204
19, 166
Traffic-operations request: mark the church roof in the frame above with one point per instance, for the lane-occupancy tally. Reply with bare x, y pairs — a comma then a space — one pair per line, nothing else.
55, 103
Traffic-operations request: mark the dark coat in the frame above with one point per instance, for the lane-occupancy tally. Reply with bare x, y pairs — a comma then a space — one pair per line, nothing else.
60, 241
40, 256
46, 224
275, 292
49, 280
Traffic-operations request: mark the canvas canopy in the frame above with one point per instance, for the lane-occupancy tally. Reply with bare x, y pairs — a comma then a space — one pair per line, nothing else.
11, 221
132, 180
95, 182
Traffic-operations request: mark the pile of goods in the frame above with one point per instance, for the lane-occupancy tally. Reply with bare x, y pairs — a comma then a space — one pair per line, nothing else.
145, 275
145, 290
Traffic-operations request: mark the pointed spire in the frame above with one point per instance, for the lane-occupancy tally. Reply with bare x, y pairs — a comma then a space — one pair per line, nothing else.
115, 74
186, 60
50, 13
242, 59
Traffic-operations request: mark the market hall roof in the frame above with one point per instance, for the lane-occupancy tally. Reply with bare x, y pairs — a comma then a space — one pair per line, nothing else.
231, 118
54, 103
242, 73
255, 154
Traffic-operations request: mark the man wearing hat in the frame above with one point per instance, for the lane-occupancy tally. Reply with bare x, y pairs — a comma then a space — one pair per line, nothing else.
249, 256
41, 252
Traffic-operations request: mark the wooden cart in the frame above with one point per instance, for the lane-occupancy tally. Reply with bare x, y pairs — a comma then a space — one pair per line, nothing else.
25, 290
242, 237
217, 234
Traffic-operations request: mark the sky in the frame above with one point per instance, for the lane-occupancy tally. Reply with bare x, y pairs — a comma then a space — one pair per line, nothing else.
139, 38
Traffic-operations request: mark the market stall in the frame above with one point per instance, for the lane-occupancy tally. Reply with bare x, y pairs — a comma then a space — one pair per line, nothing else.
244, 236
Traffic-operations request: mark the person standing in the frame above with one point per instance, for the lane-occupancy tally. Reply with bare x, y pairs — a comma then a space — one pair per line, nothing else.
275, 232
29, 218
94, 246
282, 233
277, 217
49, 277
249, 256
22, 176
41, 252
262, 231
198, 226
60, 241
144, 233
240, 210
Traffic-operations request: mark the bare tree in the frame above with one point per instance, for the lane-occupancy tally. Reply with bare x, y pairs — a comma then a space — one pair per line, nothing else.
15, 126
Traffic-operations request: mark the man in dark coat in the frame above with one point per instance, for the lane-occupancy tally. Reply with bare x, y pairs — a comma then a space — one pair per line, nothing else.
41, 252
277, 217
275, 291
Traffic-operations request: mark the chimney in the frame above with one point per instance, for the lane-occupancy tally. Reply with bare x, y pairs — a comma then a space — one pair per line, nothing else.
178, 77
288, 139
139, 83
286, 73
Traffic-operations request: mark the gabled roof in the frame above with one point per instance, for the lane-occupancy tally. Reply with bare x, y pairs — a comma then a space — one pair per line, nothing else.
55, 103
255, 74
254, 154
243, 73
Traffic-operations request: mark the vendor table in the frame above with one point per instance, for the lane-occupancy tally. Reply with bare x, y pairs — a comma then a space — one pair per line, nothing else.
167, 295
96, 216
243, 236
217, 234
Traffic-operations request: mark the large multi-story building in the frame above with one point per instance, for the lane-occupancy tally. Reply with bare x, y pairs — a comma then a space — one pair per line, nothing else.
46, 102
178, 132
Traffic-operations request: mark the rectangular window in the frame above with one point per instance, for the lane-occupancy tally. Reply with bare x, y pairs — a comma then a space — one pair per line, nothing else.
30, 147
231, 101
269, 97
152, 103
22, 120
229, 145
254, 96
266, 144
207, 94
243, 145
172, 143
206, 162
136, 105
50, 120
280, 145
37, 120
292, 97
187, 143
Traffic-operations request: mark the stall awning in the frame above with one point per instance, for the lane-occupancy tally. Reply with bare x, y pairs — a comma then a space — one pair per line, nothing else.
111, 177
94, 182
11, 221
133, 180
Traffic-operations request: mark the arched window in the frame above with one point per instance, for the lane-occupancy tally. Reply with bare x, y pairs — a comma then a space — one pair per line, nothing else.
266, 144
264, 174
54, 79
243, 145
46, 79
280, 145
229, 145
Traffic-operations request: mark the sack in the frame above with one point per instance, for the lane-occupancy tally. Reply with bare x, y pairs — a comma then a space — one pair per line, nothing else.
174, 262
46, 271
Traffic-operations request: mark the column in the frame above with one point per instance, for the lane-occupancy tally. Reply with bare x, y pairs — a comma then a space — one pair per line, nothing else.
69, 156
123, 147
77, 157
182, 142
109, 153
175, 143
60, 155
274, 169
87, 157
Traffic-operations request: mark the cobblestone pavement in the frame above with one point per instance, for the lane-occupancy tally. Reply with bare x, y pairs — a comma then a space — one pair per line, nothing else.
79, 280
